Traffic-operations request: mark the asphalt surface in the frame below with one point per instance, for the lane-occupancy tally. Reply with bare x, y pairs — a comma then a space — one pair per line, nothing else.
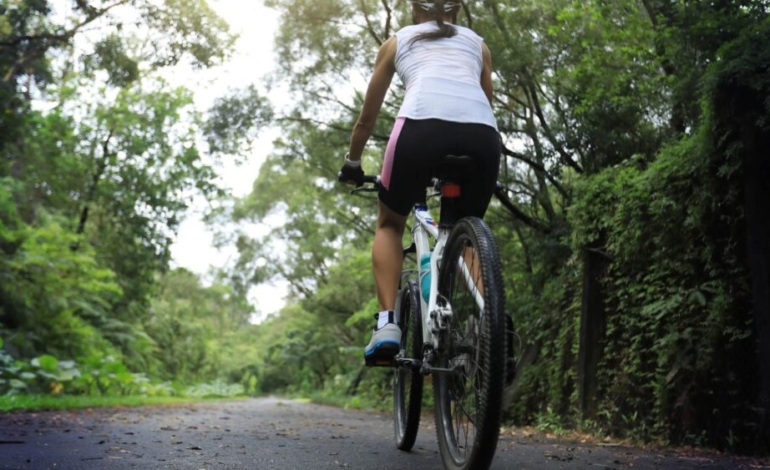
271, 433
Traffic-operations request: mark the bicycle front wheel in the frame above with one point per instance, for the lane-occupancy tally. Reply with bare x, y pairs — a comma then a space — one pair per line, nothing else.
408, 383
468, 399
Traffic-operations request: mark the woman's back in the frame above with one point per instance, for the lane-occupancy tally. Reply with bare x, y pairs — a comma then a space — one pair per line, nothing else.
441, 76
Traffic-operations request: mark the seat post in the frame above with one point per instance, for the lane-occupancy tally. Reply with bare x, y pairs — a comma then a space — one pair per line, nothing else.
450, 197
453, 170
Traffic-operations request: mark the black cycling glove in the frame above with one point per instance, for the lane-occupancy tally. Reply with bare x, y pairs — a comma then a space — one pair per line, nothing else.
351, 172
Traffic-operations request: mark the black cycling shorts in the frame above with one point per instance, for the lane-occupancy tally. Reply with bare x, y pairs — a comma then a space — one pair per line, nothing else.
412, 157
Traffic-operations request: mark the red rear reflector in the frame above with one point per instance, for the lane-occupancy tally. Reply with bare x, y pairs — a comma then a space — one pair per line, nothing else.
450, 190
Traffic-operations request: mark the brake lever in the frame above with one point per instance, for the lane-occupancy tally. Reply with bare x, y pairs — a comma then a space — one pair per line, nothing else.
363, 189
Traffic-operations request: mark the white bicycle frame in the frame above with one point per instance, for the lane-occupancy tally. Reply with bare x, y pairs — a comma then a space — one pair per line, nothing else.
435, 318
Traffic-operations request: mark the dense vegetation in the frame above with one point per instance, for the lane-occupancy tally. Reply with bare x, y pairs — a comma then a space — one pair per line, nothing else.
635, 232
100, 159
635, 135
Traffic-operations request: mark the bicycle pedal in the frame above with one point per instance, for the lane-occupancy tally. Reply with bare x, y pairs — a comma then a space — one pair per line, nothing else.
383, 355
379, 362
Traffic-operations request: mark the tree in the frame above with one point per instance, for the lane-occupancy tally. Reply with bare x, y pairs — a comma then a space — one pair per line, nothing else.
100, 159
620, 261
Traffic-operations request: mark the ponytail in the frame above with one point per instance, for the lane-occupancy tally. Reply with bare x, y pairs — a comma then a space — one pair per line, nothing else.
445, 30
437, 8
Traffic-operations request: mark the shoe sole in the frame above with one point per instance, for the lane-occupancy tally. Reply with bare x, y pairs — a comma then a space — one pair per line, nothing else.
382, 354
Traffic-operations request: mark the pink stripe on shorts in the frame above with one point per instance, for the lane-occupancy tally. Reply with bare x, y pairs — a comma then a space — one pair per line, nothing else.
390, 150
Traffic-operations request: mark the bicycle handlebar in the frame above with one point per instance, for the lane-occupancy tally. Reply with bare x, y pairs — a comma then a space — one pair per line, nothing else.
375, 185
373, 180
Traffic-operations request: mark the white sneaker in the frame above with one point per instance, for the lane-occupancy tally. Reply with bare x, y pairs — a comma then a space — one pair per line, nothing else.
384, 345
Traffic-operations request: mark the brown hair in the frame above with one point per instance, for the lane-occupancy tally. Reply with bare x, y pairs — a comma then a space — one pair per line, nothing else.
444, 30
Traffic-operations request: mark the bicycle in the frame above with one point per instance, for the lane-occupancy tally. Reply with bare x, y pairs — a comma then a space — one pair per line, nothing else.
464, 341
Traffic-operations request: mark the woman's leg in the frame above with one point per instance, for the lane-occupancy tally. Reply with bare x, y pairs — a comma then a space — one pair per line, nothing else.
388, 255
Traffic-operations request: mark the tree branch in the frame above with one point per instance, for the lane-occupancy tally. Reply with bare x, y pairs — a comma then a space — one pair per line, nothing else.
382, 138
600, 253
356, 223
467, 13
512, 97
351, 109
369, 26
562, 117
543, 197
388, 18
97, 176
518, 214
63, 37
537, 167
547, 130
91, 16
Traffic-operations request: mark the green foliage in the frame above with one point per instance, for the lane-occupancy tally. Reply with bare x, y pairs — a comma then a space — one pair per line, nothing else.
15, 403
110, 55
614, 147
626, 128
187, 29
53, 293
217, 388
676, 347
48, 375
236, 118
100, 160
106, 376
198, 332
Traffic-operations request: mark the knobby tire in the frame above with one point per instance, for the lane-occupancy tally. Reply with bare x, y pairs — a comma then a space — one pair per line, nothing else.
408, 383
468, 403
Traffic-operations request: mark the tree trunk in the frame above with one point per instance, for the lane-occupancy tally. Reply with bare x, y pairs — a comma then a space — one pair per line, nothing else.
527, 358
101, 166
593, 324
757, 204
353, 388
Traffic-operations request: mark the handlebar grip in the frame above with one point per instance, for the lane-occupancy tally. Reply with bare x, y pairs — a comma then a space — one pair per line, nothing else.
374, 185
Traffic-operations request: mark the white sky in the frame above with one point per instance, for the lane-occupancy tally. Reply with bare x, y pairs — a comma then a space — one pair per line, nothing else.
253, 59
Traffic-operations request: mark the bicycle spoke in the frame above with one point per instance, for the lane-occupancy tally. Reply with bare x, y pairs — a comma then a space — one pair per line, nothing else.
469, 415
465, 355
407, 385
459, 425
469, 420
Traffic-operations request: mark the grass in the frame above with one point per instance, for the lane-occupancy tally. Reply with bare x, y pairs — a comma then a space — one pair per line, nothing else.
10, 403
348, 402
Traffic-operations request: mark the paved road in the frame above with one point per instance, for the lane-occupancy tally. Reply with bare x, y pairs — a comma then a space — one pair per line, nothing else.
271, 433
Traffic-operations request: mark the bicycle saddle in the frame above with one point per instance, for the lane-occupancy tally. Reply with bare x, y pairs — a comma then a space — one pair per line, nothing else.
456, 167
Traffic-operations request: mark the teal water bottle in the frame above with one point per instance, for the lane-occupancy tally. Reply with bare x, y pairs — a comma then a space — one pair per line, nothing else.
425, 276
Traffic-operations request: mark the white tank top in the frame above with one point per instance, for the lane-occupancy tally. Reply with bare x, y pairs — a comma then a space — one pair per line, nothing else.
442, 76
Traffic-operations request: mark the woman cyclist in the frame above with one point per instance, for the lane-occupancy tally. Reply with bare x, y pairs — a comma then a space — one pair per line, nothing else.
447, 73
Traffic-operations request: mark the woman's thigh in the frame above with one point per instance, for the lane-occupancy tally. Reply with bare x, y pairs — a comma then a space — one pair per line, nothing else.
415, 150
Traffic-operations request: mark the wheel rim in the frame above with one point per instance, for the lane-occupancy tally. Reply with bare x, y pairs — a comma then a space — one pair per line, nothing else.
403, 377
461, 390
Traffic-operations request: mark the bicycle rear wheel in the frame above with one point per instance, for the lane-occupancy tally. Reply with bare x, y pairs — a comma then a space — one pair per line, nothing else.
408, 383
468, 400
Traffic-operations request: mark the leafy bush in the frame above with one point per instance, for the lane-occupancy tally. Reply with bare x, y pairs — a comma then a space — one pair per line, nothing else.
681, 337
97, 376
218, 388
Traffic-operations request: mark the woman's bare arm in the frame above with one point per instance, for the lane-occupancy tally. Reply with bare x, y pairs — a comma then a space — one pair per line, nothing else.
384, 68
486, 72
